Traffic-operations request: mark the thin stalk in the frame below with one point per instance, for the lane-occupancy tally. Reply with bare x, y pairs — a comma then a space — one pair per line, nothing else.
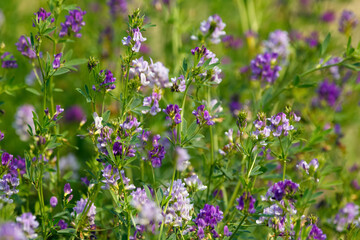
154, 181
41, 200
167, 204
238, 227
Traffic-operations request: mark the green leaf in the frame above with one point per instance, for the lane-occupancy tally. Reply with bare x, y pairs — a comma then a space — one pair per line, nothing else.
61, 71
77, 61
106, 116
34, 91
191, 129
48, 31
67, 231
88, 99
325, 44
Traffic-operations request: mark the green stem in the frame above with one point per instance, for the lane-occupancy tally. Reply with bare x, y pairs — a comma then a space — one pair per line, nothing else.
233, 197
154, 182
167, 204
41, 200
238, 227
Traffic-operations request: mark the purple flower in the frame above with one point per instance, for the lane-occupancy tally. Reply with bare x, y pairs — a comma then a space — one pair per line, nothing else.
328, 16
226, 231
208, 218
74, 114
264, 67
347, 215
203, 116
41, 15
56, 63
138, 39
312, 166
316, 233
28, 224
1, 136
154, 100
8, 61
80, 207
11, 230
329, 92
232, 42
59, 110
117, 7
17, 165
282, 189
173, 114
67, 189
157, 154
213, 27
278, 43
182, 159
62, 224
109, 80
313, 39
24, 46
73, 23
6, 158
23, 118
348, 21
8, 185
178, 84
53, 201
180, 208
246, 201
194, 183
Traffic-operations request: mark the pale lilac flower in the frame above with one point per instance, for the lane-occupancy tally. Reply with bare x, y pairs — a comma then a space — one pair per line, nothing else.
28, 224
178, 84
11, 231
179, 210
182, 159
53, 201
279, 43
24, 46
347, 215
56, 62
23, 118
213, 26
194, 183
80, 207
347, 22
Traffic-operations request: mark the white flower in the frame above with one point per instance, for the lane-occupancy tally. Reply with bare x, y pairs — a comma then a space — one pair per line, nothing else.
98, 121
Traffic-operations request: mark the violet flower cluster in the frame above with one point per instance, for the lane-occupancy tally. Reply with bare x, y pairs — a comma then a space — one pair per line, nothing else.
134, 41
23, 118
207, 220
180, 209
329, 92
246, 202
153, 74
80, 207
203, 116
280, 190
8, 61
173, 114
157, 153
213, 28
73, 23
346, 216
25, 48
279, 43
264, 67
150, 215
348, 21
